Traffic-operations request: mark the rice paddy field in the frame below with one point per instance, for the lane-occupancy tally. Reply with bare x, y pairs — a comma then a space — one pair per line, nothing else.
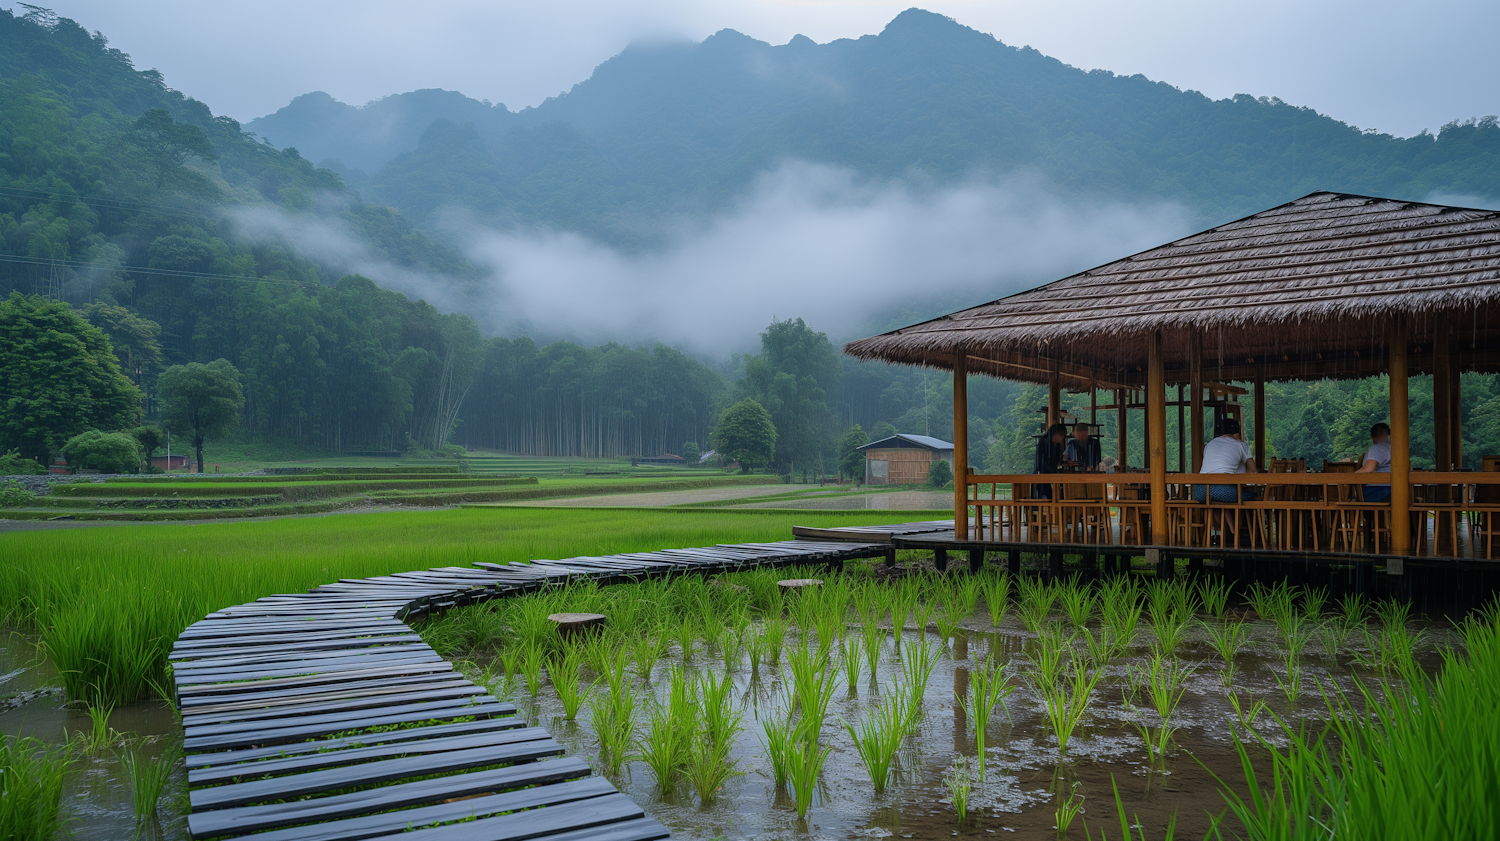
934, 706
879, 703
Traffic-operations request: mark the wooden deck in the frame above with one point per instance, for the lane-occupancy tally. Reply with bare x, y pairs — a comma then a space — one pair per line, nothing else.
322, 716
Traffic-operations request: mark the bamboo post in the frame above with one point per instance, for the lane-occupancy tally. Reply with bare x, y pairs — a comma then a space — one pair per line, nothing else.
961, 445
1456, 412
1260, 421
1182, 463
1195, 382
1156, 432
1054, 398
1124, 442
1400, 449
1442, 403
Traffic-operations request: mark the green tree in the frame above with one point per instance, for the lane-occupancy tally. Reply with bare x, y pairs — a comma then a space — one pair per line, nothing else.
746, 434
150, 438
14, 464
58, 377
939, 474
690, 452
851, 458
203, 401
107, 452
792, 377
136, 340
165, 145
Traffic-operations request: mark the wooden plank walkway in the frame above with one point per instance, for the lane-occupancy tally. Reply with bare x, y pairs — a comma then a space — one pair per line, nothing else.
321, 716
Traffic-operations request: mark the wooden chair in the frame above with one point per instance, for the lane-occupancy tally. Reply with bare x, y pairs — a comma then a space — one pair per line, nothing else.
1293, 525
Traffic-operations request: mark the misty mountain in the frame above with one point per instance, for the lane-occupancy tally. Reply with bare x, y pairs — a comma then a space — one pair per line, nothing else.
666, 130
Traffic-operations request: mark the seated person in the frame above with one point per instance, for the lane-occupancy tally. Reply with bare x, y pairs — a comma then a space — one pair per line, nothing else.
1049, 456
1377, 460
1082, 449
1227, 453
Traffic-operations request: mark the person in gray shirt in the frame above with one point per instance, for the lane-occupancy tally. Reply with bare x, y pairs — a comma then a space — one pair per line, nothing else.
1377, 460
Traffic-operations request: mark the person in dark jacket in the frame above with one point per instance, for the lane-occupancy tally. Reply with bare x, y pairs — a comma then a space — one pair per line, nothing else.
1083, 448
1049, 456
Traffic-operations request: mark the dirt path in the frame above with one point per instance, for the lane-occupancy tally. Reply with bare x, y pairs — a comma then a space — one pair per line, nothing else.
659, 499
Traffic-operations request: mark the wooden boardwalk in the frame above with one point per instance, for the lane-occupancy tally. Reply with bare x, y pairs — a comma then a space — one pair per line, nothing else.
321, 716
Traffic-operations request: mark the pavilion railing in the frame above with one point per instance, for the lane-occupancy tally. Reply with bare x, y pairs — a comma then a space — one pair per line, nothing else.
1454, 514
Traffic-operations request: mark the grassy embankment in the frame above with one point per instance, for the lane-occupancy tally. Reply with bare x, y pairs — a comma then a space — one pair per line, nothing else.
329, 489
108, 602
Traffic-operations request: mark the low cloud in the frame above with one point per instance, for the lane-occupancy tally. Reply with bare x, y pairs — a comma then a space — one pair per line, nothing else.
809, 241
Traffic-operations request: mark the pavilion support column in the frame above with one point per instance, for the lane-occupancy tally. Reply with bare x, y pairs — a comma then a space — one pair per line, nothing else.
961, 445
1260, 421
1156, 436
1442, 403
1054, 398
1455, 391
1124, 427
1195, 382
1400, 449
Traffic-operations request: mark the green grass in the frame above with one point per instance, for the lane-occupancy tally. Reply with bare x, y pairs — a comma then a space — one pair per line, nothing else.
109, 602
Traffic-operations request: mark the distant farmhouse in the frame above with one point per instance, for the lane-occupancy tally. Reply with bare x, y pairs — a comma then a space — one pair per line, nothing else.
904, 459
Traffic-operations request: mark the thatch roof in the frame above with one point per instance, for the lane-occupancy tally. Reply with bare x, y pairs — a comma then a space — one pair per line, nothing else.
1304, 289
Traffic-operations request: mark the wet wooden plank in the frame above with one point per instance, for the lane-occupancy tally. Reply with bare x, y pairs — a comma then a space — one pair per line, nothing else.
252, 658
535, 823
188, 677
390, 750
476, 706
368, 773
340, 724
283, 697
233, 687
197, 719
401, 795
430, 731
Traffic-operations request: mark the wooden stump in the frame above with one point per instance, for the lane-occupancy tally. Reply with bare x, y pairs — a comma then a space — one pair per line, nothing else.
573, 624
792, 585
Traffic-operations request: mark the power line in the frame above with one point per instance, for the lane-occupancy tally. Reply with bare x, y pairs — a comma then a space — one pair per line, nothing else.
107, 204
79, 264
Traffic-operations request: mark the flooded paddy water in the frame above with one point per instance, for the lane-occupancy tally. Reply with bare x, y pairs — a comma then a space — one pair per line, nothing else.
97, 794
1028, 780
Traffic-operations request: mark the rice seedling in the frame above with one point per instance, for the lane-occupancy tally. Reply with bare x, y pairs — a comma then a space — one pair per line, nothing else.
1121, 613
1313, 599
668, 741
1215, 597
804, 764
900, 610
1170, 623
968, 589
646, 649
710, 626
989, 686
997, 597
812, 688
1274, 603
958, 783
731, 649
1393, 648
949, 618
567, 683
922, 616
879, 737
148, 779
31, 779
1036, 603
1331, 639
709, 765
1228, 639
1047, 656
852, 660
774, 630
613, 716
1168, 834
1100, 647
874, 643
916, 667
1246, 716
830, 628
1292, 686
1078, 601
780, 734
532, 658
1068, 808
1353, 608
99, 735
1165, 681
1068, 700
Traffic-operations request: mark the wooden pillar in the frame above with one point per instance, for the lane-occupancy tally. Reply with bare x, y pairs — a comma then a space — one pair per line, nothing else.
1195, 382
1093, 404
1054, 398
1455, 391
1442, 403
961, 445
1120, 401
1156, 432
1182, 462
1400, 448
1260, 421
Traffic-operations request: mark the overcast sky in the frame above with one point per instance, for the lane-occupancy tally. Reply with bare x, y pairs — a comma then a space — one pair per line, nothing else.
1394, 65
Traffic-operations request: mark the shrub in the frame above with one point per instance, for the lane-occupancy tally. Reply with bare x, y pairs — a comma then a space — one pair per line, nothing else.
940, 475
13, 464
12, 495
107, 452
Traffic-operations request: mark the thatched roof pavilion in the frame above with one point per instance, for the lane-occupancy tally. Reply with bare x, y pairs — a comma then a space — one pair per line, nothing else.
1329, 285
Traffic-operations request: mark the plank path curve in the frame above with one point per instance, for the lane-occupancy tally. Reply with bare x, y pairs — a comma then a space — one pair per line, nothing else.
322, 716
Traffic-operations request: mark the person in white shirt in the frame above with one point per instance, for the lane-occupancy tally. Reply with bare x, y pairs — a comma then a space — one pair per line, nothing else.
1377, 460
1227, 453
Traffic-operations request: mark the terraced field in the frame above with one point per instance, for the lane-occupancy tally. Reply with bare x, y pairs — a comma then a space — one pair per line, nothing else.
282, 491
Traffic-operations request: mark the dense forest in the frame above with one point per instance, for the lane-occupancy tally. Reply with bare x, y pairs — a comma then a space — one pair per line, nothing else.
666, 130
125, 201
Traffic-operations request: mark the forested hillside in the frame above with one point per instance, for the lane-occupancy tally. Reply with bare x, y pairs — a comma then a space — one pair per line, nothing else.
663, 129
